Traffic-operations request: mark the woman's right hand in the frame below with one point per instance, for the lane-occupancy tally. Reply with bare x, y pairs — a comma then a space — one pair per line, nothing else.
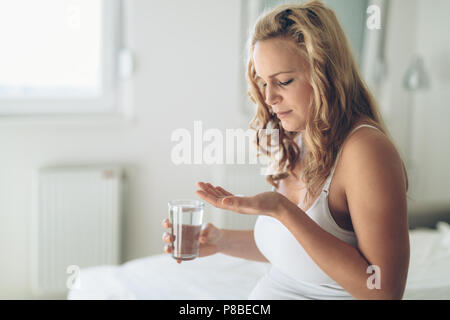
211, 239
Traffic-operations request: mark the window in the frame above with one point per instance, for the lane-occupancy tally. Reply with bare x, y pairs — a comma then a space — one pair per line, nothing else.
59, 56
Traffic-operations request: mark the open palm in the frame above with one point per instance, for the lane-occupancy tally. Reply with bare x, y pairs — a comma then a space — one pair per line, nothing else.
265, 203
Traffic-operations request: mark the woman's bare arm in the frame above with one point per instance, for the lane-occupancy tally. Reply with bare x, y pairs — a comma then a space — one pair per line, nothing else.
376, 195
241, 244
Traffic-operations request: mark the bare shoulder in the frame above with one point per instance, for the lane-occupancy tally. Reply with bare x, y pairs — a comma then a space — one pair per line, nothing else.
371, 152
374, 174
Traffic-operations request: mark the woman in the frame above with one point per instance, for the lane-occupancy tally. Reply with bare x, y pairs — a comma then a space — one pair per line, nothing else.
335, 225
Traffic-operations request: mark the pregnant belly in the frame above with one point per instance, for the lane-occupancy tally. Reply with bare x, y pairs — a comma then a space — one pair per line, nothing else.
283, 251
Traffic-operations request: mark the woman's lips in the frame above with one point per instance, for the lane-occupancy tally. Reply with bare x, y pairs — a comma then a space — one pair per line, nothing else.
283, 114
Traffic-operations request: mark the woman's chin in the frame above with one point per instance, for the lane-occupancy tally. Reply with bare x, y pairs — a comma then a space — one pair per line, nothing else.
289, 126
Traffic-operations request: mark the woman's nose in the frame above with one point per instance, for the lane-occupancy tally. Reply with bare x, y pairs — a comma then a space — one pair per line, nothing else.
272, 97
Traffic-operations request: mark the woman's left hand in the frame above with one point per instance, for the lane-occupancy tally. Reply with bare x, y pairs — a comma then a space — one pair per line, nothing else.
266, 203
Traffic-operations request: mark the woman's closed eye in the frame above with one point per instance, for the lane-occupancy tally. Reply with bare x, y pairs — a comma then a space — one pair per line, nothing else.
283, 84
286, 83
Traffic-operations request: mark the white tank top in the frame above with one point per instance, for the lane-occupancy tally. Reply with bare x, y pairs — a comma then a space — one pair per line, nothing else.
294, 275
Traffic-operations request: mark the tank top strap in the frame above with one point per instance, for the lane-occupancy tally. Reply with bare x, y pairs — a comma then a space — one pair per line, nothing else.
326, 186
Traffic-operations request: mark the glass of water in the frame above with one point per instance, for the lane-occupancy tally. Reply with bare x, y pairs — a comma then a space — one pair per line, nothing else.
186, 218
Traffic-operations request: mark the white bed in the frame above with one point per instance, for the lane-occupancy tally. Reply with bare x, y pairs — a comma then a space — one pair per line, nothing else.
224, 277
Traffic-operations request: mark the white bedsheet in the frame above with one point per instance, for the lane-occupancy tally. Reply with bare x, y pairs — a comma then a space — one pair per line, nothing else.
224, 277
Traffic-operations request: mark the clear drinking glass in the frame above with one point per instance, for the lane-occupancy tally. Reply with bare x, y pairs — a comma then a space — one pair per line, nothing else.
186, 217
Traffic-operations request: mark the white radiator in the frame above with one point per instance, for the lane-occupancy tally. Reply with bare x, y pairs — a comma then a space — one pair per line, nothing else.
76, 224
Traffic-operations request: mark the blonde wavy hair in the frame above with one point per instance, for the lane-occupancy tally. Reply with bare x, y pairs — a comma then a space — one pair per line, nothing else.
340, 97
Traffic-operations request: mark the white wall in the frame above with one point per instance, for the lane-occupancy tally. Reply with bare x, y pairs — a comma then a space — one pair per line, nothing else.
432, 107
421, 27
394, 99
187, 69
